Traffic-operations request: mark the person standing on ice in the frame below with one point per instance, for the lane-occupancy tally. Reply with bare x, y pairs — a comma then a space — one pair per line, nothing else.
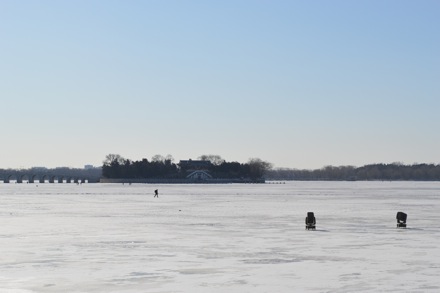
156, 193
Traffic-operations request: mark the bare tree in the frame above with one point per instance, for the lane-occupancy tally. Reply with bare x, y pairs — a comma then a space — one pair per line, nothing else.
258, 167
214, 159
158, 158
169, 158
113, 158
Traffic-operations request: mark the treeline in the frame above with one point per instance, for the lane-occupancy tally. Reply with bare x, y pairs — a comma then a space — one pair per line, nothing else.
160, 167
395, 171
116, 166
93, 174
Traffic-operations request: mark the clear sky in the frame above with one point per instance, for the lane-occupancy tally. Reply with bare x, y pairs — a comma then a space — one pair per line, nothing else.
300, 84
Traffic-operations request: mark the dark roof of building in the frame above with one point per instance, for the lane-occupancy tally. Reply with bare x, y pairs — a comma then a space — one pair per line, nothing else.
194, 163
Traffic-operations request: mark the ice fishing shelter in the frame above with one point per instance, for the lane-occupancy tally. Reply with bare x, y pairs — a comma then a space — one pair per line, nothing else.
310, 221
401, 219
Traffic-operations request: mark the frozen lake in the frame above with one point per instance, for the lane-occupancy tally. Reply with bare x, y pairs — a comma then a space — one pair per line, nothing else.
219, 238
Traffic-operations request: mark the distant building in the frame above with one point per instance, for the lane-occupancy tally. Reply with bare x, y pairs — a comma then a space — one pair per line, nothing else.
88, 167
192, 165
196, 169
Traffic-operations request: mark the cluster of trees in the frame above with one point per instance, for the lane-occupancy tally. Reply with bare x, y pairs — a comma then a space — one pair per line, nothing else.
394, 171
115, 166
254, 169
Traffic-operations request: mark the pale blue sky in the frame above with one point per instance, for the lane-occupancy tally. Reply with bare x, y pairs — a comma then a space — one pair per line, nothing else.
301, 84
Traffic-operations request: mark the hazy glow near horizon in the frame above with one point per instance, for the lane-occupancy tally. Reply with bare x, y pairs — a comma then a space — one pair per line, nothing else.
301, 84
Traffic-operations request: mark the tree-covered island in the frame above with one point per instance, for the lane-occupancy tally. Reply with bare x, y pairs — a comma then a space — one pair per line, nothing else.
205, 168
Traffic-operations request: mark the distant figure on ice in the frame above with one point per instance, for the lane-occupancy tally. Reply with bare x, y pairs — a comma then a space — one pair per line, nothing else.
156, 193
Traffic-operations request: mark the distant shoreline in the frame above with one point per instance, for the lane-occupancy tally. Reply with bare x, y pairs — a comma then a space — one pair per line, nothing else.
179, 181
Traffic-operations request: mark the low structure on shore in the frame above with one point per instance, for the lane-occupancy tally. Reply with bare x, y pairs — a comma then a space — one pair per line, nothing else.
178, 181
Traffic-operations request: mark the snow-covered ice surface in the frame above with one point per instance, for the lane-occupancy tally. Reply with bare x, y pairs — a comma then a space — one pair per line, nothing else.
219, 238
